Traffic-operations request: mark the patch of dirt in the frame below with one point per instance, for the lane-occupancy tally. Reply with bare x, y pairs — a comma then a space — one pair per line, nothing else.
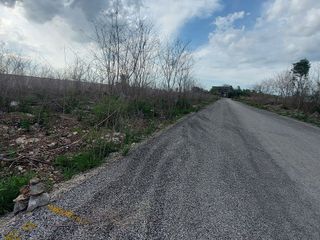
25, 145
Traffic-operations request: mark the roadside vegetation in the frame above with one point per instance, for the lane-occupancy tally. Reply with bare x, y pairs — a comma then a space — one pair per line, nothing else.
294, 93
55, 123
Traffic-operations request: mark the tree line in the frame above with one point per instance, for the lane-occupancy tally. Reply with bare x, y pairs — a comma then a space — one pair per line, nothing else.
126, 52
297, 88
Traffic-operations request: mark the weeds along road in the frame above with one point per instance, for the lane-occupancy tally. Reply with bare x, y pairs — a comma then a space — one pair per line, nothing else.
227, 172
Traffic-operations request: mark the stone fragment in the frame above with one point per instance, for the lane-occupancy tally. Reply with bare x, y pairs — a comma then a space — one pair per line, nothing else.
33, 140
21, 198
37, 189
25, 190
21, 140
14, 103
52, 144
38, 201
20, 205
34, 181
35, 127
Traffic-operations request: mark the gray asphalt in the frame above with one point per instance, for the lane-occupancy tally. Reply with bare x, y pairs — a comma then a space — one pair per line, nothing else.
227, 172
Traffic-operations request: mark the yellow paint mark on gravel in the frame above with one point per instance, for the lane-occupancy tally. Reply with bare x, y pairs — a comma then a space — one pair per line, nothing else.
29, 226
66, 213
13, 235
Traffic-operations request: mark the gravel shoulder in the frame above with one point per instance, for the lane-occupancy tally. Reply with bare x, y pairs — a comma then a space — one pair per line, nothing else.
228, 172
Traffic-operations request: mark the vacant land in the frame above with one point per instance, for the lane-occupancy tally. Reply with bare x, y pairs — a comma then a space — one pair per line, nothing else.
227, 171
57, 128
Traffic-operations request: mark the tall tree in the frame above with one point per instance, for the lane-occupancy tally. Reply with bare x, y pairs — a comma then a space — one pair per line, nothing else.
301, 68
301, 80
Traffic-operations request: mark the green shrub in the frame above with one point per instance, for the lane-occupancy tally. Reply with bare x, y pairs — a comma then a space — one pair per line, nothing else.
70, 103
25, 124
74, 164
43, 115
71, 165
110, 105
183, 106
27, 102
125, 150
11, 152
152, 126
132, 136
9, 190
146, 107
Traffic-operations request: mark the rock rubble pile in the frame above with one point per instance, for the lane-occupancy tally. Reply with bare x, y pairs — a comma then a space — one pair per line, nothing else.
31, 197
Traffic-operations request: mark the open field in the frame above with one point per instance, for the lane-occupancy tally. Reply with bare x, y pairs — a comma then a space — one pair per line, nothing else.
58, 128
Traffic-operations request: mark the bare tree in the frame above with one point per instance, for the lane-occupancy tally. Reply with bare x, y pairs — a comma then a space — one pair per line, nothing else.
126, 50
109, 36
175, 64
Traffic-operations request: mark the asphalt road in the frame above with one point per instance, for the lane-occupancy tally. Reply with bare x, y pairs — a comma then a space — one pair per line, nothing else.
227, 172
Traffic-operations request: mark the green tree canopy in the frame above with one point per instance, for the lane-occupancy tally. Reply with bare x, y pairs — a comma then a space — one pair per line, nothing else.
301, 68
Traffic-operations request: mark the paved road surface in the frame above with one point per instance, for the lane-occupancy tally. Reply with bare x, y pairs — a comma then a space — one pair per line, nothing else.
227, 172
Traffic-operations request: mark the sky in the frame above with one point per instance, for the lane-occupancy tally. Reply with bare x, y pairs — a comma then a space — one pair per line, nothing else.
237, 42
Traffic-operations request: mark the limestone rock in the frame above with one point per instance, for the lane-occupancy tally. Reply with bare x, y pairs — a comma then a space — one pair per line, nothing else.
33, 140
37, 189
21, 140
34, 181
21, 198
14, 103
38, 201
20, 206
52, 144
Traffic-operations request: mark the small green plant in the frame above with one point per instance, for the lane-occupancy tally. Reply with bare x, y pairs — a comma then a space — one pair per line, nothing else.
146, 107
9, 190
11, 152
25, 124
108, 106
71, 103
132, 136
48, 183
80, 114
125, 150
71, 165
42, 115
27, 102
152, 126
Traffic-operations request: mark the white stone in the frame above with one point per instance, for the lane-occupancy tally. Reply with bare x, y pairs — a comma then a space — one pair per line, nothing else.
38, 201
21, 140
14, 104
37, 189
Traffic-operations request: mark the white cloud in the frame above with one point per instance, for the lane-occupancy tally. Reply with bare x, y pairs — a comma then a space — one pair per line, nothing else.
169, 16
41, 41
45, 28
285, 32
223, 23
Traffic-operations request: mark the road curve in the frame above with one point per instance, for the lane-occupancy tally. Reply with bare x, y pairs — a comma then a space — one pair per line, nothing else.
227, 172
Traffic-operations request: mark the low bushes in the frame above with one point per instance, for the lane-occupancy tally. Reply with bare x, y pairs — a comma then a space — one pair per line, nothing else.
281, 109
71, 164
9, 190
58, 118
